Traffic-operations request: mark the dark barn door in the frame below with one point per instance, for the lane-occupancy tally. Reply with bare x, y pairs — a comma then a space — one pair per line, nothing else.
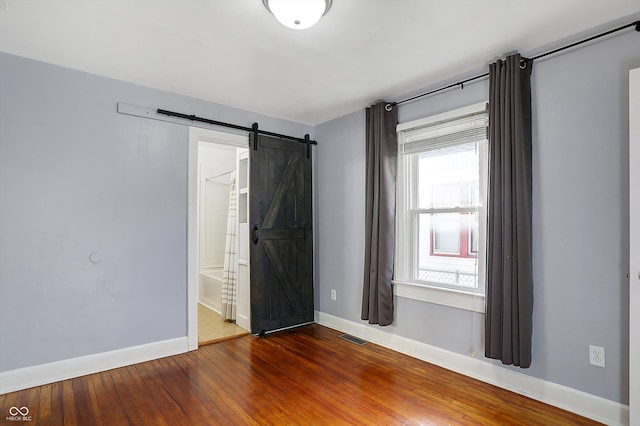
281, 234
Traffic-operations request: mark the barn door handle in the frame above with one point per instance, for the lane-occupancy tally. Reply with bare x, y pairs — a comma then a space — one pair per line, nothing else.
256, 234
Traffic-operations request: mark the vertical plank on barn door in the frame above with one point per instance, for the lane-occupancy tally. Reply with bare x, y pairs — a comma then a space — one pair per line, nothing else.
281, 234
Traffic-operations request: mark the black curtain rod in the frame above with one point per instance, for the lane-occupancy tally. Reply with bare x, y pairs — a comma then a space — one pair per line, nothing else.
253, 129
523, 63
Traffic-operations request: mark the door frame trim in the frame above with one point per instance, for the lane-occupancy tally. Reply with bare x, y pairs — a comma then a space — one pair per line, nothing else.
196, 135
634, 246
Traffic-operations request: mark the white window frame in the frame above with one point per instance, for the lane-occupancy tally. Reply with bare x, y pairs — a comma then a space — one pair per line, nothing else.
404, 284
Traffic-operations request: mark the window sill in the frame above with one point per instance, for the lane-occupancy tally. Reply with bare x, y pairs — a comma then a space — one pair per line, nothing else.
441, 296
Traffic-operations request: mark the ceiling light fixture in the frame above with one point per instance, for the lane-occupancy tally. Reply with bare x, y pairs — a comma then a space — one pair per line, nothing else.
298, 14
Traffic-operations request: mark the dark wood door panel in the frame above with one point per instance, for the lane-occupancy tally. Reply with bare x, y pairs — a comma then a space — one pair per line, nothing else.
282, 249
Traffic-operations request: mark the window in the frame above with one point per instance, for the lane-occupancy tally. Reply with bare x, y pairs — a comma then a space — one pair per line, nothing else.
441, 201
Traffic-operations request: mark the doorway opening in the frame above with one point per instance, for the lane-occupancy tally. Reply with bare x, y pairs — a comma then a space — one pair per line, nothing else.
218, 239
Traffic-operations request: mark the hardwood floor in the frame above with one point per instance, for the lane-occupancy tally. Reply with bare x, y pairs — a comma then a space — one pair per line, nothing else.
306, 376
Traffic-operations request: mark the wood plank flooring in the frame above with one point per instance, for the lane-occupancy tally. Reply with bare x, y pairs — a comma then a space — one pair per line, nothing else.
306, 376
212, 328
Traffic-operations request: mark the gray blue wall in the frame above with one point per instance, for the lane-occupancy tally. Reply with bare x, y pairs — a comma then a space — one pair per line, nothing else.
580, 107
76, 177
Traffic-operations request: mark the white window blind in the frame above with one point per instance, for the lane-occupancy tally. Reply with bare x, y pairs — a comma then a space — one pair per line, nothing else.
444, 134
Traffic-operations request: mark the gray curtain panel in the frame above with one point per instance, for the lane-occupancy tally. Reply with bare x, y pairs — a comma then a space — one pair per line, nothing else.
382, 154
509, 303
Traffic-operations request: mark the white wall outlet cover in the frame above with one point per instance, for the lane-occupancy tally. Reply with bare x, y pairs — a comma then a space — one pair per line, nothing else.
596, 356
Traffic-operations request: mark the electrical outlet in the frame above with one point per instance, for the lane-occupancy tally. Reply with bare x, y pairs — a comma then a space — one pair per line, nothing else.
596, 356
333, 294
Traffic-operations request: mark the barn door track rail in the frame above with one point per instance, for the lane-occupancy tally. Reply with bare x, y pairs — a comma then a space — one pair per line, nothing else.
254, 129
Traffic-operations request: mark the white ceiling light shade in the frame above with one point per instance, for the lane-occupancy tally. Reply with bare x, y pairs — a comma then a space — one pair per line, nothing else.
298, 14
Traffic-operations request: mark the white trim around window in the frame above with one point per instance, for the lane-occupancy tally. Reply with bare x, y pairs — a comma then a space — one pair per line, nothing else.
405, 286
466, 300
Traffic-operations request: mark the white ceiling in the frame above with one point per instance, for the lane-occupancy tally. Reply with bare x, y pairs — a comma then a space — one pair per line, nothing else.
235, 53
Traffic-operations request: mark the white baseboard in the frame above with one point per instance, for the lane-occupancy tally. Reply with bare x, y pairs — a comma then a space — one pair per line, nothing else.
28, 377
211, 305
579, 402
